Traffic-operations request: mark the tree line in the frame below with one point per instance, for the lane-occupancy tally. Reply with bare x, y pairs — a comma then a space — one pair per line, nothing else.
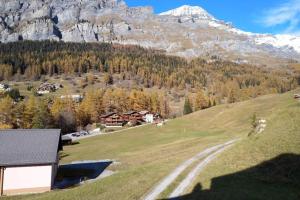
29, 60
66, 114
204, 83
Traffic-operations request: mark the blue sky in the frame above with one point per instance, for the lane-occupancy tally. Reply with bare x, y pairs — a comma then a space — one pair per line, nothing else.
261, 16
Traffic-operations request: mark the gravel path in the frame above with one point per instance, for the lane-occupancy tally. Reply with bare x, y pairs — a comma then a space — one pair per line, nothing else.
189, 179
174, 174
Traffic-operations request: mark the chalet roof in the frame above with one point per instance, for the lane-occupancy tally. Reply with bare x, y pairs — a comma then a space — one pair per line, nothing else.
29, 147
130, 112
144, 112
108, 115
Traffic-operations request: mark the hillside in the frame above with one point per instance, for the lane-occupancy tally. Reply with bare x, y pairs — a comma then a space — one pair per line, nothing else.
261, 167
39, 61
149, 153
185, 31
118, 78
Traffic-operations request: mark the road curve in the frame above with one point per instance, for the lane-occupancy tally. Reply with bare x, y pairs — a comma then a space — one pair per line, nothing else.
184, 184
153, 194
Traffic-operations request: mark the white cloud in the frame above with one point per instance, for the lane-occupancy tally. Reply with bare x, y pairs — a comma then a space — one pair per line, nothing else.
287, 13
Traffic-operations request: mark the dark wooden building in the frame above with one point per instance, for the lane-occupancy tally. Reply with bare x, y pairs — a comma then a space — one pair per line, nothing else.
113, 120
133, 116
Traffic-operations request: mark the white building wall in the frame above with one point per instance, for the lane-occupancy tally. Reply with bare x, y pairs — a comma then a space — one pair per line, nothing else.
149, 118
27, 177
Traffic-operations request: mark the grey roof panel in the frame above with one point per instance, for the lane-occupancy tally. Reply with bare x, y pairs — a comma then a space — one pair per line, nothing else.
130, 112
108, 115
29, 147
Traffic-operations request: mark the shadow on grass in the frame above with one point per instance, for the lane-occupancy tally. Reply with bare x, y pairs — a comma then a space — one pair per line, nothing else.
63, 155
75, 143
276, 179
72, 175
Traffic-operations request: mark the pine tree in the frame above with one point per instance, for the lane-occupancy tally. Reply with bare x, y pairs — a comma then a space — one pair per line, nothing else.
19, 114
64, 114
232, 96
154, 103
42, 118
91, 108
134, 99
29, 111
187, 109
58, 105
108, 79
6, 112
233, 92
14, 94
120, 100
254, 121
164, 107
200, 101
107, 101
214, 102
209, 103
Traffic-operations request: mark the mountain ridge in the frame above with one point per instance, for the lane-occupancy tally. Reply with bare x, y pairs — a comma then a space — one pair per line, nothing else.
188, 31
278, 40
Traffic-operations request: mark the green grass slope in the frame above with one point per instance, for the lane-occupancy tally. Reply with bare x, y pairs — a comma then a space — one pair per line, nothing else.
266, 166
147, 154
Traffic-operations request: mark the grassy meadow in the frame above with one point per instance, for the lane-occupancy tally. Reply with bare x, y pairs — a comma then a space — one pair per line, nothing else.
264, 166
147, 154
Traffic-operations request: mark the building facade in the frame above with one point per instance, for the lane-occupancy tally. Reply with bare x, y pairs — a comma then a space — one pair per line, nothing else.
28, 160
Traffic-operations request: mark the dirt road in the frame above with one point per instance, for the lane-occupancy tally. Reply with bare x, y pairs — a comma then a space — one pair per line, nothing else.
210, 152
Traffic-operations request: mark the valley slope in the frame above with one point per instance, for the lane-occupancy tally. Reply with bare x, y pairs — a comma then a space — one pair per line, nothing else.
148, 154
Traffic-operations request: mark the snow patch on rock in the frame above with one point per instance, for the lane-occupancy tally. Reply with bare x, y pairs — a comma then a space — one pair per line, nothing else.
187, 10
280, 41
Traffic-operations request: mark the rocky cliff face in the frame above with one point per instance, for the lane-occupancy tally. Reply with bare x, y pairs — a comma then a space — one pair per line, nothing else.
186, 31
66, 20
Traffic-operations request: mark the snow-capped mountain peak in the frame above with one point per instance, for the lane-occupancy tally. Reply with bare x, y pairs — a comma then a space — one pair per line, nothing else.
187, 10
278, 41
188, 31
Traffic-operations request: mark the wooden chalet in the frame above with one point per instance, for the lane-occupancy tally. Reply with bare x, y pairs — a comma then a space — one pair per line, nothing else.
113, 120
133, 116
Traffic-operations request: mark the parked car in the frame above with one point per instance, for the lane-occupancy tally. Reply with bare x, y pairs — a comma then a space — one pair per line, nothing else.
76, 134
83, 133
66, 140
